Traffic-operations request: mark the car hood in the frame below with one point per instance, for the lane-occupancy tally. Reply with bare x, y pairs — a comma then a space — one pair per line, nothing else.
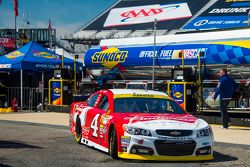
161, 121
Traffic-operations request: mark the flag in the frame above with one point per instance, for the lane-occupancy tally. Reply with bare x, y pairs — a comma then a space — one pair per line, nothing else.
15, 2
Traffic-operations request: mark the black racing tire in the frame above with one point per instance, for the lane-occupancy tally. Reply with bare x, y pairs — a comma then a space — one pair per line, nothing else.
78, 130
113, 151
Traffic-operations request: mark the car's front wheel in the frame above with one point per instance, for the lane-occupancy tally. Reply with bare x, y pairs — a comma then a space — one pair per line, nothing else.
113, 145
78, 130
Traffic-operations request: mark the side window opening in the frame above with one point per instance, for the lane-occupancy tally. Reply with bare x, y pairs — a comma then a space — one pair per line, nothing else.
103, 105
92, 100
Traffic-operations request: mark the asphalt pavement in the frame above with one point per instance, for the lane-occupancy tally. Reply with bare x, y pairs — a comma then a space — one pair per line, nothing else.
234, 134
43, 139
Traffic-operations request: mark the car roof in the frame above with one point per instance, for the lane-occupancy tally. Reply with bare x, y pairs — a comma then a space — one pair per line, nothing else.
137, 91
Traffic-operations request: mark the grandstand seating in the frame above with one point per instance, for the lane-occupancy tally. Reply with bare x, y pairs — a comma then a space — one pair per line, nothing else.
122, 34
95, 31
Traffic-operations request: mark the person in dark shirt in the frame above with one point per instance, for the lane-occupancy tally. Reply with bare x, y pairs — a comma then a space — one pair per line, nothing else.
225, 89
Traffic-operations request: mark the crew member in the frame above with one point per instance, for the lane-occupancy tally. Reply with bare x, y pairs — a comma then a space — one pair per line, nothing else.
225, 88
14, 104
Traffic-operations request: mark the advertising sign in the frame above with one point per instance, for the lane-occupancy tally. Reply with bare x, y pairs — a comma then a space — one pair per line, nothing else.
7, 42
142, 56
146, 14
223, 14
177, 93
56, 93
225, 52
140, 15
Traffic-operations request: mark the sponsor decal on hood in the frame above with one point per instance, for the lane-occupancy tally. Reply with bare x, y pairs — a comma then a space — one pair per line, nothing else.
186, 118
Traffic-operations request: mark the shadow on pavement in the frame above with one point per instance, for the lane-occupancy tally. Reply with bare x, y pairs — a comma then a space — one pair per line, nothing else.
3, 165
10, 144
218, 157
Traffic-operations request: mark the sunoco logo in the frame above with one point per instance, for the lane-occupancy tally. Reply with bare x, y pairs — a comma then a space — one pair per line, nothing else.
57, 90
109, 57
178, 95
100, 57
45, 55
14, 54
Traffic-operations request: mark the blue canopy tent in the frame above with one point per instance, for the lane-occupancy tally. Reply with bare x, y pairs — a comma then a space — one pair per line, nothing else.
33, 57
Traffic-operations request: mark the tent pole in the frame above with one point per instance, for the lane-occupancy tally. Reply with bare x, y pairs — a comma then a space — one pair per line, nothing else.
21, 89
42, 90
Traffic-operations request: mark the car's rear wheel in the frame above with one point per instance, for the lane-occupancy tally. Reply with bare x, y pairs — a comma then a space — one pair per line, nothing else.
113, 145
78, 130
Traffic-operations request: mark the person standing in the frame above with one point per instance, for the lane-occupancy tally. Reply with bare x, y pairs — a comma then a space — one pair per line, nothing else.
14, 104
225, 89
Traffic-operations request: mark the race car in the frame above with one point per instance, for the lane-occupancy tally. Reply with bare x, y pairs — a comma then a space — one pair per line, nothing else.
140, 124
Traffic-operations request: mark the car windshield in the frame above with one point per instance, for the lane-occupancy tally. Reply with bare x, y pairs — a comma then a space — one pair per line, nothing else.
147, 105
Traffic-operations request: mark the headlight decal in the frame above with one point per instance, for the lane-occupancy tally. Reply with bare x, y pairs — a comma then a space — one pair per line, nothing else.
204, 132
137, 131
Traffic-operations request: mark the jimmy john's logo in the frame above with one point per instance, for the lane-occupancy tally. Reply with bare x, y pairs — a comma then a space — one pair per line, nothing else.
109, 57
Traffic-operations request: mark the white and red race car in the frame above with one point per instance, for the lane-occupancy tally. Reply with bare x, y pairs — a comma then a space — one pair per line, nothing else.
140, 124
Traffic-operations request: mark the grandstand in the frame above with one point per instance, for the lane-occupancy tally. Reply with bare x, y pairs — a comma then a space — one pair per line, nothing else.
135, 18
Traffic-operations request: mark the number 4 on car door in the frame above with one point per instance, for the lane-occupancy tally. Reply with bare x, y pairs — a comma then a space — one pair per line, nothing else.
94, 125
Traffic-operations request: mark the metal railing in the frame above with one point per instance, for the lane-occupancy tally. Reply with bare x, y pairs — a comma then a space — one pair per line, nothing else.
31, 97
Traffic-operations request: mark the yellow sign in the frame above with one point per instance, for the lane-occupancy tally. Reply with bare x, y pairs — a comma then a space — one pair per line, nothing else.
57, 90
46, 55
109, 57
14, 54
178, 94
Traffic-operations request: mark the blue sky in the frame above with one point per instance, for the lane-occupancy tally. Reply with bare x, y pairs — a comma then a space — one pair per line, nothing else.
66, 16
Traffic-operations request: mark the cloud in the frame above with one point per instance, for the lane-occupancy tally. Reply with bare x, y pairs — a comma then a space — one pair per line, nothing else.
62, 29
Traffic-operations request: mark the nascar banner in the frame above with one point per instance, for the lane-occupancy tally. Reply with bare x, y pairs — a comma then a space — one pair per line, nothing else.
223, 14
229, 52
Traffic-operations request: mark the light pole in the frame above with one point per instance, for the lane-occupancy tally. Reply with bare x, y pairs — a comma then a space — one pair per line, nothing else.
75, 58
155, 55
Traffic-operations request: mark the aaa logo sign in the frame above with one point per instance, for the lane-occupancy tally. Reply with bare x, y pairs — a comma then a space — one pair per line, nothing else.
146, 14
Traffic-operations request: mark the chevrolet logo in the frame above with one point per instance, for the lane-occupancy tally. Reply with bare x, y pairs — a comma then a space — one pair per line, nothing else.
175, 133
